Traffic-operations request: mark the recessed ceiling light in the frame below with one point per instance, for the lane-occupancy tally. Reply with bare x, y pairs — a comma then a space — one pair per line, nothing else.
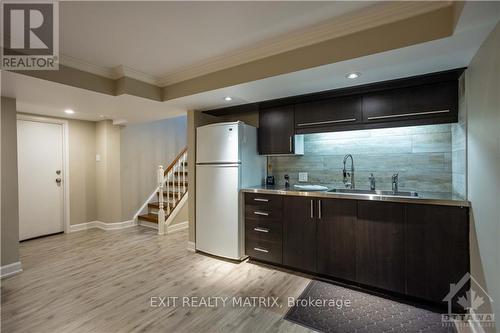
69, 111
353, 75
228, 98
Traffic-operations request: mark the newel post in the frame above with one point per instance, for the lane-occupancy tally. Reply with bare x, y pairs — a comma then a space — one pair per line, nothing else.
161, 211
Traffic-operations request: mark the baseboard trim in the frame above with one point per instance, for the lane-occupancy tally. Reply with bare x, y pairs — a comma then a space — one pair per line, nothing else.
171, 228
191, 246
102, 225
149, 225
10, 269
177, 227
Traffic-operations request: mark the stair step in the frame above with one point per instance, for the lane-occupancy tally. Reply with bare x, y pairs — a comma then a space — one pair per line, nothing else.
170, 194
157, 205
150, 217
176, 183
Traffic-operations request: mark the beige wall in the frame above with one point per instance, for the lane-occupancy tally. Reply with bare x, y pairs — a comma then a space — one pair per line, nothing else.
9, 203
183, 214
144, 147
483, 149
108, 180
82, 167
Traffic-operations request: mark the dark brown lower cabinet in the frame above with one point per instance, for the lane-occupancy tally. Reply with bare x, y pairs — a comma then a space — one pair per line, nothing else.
410, 249
336, 246
437, 249
380, 245
299, 233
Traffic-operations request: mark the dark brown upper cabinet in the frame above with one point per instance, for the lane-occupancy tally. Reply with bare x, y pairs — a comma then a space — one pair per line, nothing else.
328, 115
276, 130
424, 104
420, 100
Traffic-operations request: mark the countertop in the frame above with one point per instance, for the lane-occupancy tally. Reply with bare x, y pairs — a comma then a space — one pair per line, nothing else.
280, 190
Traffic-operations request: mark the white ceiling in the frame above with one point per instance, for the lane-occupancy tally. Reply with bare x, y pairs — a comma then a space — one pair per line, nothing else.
158, 38
51, 99
477, 20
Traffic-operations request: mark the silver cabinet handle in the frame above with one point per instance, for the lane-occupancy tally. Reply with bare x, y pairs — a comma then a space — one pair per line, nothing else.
312, 209
319, 209
259, 199
260, 250
261, 230
291, 150
261, 213
407, 114
327, 122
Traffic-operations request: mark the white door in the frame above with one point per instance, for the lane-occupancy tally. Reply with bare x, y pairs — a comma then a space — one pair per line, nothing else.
218, 143
40, 167
218, 229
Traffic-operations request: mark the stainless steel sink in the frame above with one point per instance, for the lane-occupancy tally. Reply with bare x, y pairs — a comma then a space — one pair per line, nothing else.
375, 192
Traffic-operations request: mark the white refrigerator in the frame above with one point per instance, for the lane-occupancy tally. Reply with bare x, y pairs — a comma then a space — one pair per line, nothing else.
226, 160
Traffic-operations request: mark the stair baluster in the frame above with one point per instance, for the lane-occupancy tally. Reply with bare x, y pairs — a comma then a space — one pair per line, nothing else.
172, 184
161, 211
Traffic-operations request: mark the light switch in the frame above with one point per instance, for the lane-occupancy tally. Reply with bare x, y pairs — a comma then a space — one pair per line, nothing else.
98, 158
302, 176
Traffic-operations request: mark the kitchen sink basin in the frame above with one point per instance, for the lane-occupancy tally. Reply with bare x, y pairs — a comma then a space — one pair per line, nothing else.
374, 192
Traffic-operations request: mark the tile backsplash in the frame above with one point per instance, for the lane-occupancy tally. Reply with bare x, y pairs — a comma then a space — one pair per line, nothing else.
421, 154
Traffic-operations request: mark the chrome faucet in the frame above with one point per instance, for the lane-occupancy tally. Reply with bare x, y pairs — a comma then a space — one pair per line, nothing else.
372, 182
346, 174
395, 180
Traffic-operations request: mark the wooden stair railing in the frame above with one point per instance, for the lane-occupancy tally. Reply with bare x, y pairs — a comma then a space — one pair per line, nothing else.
172, 185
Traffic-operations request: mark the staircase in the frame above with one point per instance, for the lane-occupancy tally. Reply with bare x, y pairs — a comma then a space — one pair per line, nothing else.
172, 186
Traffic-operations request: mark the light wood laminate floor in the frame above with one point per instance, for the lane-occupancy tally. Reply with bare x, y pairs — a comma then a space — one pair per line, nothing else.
102, 281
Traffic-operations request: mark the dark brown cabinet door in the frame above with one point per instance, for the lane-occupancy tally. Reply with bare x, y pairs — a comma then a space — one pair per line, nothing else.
380, 245
276, 130
328, 114
412, 104
299, 233
336, 251
437, 249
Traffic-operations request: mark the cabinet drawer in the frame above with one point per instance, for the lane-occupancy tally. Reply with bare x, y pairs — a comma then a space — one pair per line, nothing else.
271, 232
265, 251
264, 200
262, 213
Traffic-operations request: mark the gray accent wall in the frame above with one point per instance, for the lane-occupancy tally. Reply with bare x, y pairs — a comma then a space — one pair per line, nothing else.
421, 154
143, 147
9, 206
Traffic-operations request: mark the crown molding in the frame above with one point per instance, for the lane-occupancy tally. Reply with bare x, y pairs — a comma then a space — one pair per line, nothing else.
114, 73
87, 66
359, 20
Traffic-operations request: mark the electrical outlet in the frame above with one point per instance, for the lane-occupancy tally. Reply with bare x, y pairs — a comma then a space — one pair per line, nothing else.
302, 176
